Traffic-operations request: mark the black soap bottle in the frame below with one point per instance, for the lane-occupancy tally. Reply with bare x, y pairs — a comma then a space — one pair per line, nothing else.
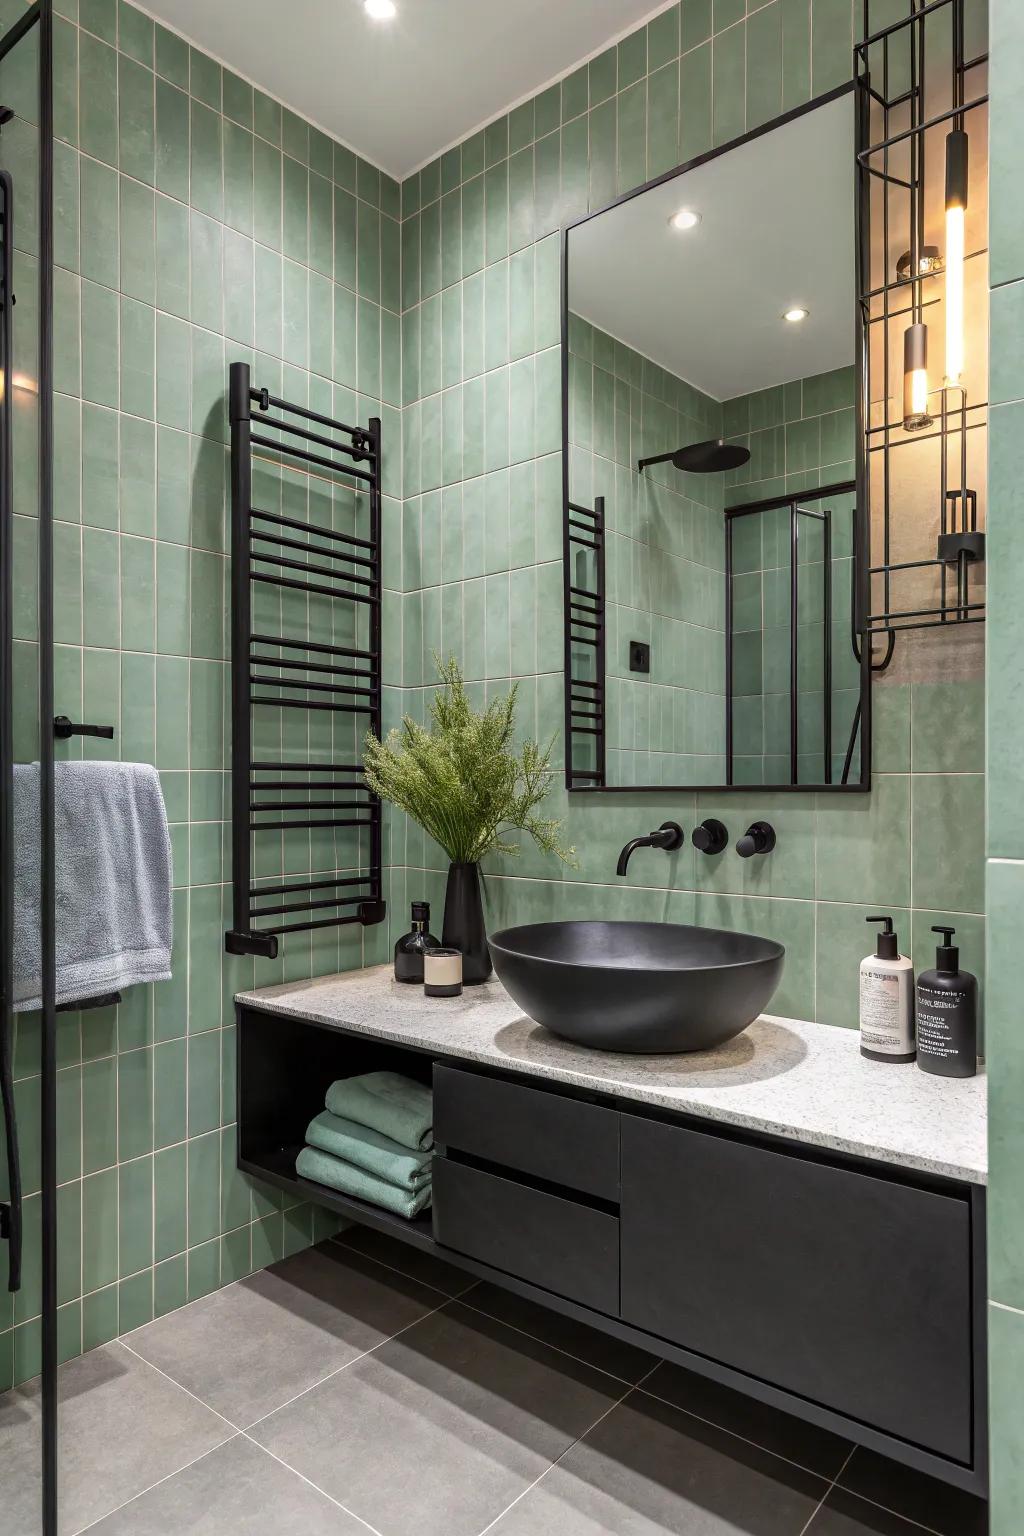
947, 1014
410, 947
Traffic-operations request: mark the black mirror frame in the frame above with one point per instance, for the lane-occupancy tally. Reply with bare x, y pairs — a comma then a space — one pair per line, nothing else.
590, 533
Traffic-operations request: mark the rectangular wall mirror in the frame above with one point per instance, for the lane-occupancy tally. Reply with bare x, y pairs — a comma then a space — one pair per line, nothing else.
714, 538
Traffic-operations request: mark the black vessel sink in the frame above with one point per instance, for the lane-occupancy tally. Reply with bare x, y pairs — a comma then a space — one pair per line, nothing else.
643, 987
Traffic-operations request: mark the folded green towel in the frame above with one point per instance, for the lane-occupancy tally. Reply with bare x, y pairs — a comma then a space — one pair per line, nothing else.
393, 1105
322, 1168
368, 1149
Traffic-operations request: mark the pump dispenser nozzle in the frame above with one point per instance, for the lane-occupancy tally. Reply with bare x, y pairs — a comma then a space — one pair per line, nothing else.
947, 955
888, 945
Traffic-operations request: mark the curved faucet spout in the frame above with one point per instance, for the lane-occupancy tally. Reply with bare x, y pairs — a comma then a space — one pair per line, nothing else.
669, 836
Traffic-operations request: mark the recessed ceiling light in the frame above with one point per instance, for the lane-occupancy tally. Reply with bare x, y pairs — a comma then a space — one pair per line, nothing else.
796, 314
380, 10
686, 218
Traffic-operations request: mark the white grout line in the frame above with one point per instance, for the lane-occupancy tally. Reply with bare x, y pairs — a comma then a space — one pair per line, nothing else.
315, 1486
828, 1490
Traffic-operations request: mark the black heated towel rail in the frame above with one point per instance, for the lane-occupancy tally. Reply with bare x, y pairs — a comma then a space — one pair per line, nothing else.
326, 578
585, 623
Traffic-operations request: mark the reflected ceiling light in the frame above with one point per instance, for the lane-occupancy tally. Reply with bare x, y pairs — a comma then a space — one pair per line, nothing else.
380, 10
796, 314
685, 218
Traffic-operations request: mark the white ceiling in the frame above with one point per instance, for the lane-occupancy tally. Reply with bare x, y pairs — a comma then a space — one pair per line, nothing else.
776, 231
399, 92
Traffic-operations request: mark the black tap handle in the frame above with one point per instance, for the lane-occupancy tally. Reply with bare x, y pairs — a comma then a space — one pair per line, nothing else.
711, 836
63, 728
758, 838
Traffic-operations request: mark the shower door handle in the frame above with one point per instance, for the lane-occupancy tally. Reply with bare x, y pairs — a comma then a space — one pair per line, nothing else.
10, 1210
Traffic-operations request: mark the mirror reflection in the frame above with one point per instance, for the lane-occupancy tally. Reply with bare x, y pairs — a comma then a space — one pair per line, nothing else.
711, 427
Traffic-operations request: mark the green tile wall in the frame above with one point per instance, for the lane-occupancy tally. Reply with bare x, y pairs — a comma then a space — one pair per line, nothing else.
197, 223
1005, 845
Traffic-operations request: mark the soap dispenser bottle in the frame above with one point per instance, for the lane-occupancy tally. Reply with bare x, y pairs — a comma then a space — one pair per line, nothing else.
887, 999
410, 947
947, 1014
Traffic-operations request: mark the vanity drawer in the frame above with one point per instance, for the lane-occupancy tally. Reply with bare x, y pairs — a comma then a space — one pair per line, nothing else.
546, 1135
846, 1288
570, 1249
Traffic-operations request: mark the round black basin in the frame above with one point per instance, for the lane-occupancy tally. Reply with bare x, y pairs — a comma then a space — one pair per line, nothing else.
643, 987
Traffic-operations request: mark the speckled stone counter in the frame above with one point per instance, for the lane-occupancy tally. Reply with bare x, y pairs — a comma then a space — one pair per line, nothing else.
781, 1076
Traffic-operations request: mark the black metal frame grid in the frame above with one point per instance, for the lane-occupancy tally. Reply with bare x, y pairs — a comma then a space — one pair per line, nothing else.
584, 781
795, 503
291, 672
903, 108
585, 624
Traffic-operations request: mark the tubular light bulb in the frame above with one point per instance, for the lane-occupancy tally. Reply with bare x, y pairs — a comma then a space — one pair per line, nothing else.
956, 211
915, 378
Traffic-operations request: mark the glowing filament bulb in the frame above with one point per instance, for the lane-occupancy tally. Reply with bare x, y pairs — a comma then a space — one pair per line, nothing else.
956, 212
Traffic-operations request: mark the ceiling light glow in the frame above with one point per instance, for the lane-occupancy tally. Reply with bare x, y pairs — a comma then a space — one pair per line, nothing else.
380, 10
796, 314
686, 218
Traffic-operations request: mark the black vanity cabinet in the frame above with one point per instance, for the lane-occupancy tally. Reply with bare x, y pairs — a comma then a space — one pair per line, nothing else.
849, 1290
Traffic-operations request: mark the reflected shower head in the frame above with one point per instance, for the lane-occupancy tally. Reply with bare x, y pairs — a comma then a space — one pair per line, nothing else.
712, 457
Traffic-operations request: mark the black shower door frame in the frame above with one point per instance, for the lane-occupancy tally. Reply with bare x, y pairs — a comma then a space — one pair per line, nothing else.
40, 14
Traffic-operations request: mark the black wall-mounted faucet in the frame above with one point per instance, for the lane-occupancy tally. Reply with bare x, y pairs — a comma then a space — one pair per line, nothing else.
758, 838
712, 836
669, 836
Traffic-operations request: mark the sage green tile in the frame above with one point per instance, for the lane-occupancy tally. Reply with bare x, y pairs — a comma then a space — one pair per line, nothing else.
67, 360
171, 146
138, 357
170, 1202
522, 407
206, 247
496, 212
729, 72
831, 44
631, 157
203, 1083
890, 727
238, 178
602, 154
863, 845
206, 161
296, 209
204, 79
574, 177
99, 1318
138, 595
174, 372
99, 17
632, 53
203, 1187
1005, 1066
663, 38
796, 52
66, 208
949, 841
547, 114
99, 467
695, 132
98, 108
67, 458
171, 57
237, 99
135, 1216
663, 118
266, 118
99, 1230
136, 120
170, 1285
1003, 681
138, 241
135, 34
67, 578
135, 1301
1006, 1353
268, 276
496, 315
948, 727
134, 1104
764, 71
547, 186
603, 76
65, 81
101, 598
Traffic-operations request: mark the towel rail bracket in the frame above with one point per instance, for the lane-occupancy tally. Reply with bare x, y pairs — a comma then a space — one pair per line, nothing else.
263, 944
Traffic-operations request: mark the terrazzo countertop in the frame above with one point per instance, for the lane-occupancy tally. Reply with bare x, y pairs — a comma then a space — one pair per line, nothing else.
781, 1076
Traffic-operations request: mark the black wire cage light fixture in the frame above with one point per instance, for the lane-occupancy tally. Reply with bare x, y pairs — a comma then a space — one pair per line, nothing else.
922, 128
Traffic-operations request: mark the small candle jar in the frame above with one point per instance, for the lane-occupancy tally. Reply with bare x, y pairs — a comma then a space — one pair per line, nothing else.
442, 972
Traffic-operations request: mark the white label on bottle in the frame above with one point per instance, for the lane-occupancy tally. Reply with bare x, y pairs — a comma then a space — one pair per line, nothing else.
880, 1013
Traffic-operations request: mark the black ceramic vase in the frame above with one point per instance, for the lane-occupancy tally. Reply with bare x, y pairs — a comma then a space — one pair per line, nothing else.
464, 922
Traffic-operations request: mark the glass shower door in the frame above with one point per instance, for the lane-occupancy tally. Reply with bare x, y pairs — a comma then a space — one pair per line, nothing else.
27, 1079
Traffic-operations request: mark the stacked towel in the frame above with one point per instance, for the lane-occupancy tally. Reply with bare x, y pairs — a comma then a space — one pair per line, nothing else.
374, 1141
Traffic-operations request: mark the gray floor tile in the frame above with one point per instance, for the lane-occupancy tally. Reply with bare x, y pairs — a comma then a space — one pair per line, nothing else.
250, 1348
937, 1506
649, 1470
817, 1449
600, 1349
123, 1427
437, 1431
411, 1261
237, 1490
844, 1514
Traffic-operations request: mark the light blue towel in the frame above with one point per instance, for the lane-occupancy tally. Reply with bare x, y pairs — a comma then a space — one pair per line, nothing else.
394, 1105
367, 1149
322, 1168
113, 879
